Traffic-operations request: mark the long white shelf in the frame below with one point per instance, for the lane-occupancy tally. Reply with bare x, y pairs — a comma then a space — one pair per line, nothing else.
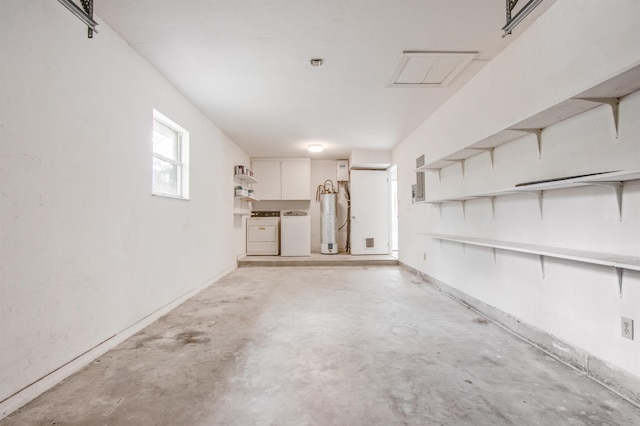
606, 259
619, 262
606, 93
609, 179
584, 180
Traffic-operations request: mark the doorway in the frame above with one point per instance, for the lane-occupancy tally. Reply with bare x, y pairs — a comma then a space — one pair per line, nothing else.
393, 191
370, 212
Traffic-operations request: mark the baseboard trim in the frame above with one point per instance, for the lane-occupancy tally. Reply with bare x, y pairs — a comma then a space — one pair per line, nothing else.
616, 380
32, 391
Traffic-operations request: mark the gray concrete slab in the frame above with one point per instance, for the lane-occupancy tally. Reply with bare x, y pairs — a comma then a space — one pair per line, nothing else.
370, 345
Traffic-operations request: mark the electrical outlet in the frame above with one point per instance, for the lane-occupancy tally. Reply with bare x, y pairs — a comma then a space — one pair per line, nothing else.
627, 328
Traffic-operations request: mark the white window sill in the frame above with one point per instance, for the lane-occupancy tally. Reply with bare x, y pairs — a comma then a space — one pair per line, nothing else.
175, 197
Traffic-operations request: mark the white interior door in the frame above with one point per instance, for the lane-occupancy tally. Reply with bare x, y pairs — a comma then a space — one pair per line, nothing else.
370, 215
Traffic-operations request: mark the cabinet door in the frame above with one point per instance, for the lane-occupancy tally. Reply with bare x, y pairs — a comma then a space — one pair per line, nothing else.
269, 180
296, 179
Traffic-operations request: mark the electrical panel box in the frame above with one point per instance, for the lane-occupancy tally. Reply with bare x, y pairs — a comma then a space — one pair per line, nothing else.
418, 193
342, 173
417, 190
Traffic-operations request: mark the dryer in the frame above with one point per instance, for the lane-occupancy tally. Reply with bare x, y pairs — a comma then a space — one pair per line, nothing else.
263, 233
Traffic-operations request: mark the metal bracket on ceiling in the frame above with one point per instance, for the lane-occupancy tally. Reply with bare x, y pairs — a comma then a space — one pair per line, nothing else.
513, 21
85, 14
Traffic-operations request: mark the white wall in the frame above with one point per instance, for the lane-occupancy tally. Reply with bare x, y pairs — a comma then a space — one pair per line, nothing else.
86, 250
573, 46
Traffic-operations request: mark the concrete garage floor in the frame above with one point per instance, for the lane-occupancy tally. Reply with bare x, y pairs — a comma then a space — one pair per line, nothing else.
351, 345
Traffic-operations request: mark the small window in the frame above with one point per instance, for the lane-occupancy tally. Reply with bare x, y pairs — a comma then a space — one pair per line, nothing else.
170, 158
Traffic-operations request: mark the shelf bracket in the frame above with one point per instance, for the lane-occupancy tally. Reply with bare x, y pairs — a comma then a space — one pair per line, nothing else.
490, 151
493, 207
541, 256
493, 249
464, 209
540, 196
538, 133
436, 171
462, 167
618, 188
614, 104
619, 273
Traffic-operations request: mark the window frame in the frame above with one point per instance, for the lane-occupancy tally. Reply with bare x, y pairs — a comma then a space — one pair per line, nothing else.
182, 161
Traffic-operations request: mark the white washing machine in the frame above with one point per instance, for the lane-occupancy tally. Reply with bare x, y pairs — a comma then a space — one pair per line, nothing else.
263, 232
295, 233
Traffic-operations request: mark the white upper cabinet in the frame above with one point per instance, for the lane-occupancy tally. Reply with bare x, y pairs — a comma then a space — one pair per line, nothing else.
296, 179
269, 187
282, 178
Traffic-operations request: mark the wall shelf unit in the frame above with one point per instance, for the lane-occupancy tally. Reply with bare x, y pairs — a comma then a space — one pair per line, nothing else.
242, 203
606, 93
614, 180
618, 262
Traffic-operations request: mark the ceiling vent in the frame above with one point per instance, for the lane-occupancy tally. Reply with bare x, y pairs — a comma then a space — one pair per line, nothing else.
430, 69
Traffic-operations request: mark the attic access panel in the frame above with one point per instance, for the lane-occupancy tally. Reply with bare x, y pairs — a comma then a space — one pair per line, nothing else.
430, 69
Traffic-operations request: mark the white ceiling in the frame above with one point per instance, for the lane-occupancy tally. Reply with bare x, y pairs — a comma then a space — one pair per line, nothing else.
245, 64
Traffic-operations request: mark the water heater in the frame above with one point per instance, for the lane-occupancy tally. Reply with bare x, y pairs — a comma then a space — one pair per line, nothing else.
328, 223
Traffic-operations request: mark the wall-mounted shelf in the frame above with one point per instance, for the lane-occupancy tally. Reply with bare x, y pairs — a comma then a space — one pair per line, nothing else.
242, 203
619, 262
606, 93
614, 180
246, 178
246, 198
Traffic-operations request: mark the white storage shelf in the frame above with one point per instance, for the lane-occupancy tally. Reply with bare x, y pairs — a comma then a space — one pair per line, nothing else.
606, 93
619, 262
612, 180
246, 178
243, 202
